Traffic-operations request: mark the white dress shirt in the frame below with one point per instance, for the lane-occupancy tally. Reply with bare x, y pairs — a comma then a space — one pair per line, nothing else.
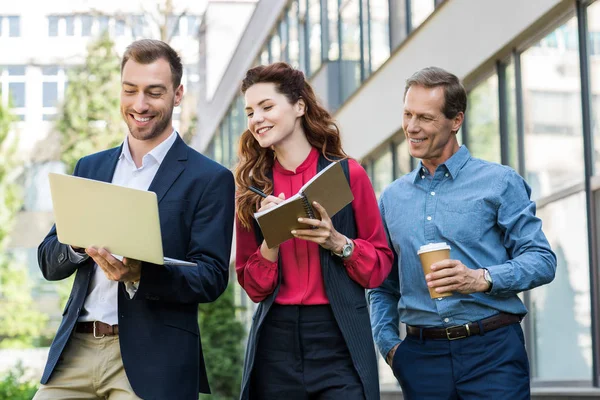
101, 300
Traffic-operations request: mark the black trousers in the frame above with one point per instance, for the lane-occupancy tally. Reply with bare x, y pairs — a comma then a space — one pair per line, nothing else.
302, 355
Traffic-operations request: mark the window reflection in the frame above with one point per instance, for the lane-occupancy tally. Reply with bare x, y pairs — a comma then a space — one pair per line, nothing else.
594, 61
483, 122
275, 47
314, 31
350, 63
382, 172
419, 11
333, 52
561, 310
511, 109
294, 44
552, 112
403, 166
379, 33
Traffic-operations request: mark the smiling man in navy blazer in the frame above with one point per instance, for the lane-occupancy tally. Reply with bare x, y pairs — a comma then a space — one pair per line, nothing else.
129, 328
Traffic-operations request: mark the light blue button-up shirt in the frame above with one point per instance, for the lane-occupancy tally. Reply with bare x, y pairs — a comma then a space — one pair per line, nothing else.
483, 211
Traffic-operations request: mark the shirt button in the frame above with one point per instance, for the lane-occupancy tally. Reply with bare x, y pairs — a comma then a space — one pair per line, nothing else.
428, 218
446, 320
422, 176
440, 298
446, 174
433, 193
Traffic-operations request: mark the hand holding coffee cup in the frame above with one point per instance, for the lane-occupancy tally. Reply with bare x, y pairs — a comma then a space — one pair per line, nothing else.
430, 254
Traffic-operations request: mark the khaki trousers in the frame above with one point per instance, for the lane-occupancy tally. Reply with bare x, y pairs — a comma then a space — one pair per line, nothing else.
89, 368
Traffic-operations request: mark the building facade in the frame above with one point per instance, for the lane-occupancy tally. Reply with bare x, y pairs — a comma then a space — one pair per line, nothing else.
532, 72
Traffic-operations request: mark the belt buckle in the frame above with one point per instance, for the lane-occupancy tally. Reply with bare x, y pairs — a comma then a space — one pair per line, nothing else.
95, 335
458, 337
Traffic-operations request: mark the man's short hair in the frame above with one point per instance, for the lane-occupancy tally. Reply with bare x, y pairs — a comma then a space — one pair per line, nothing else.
146, 51
455, 95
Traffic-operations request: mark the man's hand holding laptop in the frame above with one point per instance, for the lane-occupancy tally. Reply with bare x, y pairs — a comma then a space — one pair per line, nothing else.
129, 270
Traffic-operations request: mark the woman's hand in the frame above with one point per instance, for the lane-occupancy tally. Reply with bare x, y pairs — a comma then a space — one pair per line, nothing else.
265, 204
323, 233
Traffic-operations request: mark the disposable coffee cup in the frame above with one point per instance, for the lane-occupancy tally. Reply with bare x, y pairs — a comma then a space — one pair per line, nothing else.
430, 254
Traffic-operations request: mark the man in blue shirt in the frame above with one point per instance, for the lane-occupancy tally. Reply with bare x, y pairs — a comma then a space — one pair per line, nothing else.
483, 211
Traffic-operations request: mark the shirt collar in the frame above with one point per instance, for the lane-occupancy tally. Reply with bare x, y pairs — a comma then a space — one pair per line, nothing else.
158, 153
454, 164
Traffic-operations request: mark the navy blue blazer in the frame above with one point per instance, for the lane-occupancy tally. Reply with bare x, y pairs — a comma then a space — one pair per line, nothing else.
158, 327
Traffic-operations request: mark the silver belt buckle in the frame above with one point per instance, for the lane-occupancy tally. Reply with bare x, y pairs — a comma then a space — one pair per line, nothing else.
95, 335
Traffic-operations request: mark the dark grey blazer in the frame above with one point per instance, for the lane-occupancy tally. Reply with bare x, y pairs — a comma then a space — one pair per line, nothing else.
347, 299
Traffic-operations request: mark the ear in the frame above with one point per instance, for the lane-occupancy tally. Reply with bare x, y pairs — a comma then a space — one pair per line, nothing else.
458, 121
178, 95
300, 107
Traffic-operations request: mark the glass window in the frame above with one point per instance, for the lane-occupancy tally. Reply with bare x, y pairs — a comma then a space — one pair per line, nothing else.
50, 70
102, 24
173, 25
350, 63
275, 47
593, 12
403, 165
53, 26
236, 128
1, 24
16, 70
333, 52
14, 26
120, 27
293, 45
86, 25
70, 25
16, 92
552, 116
225, 140
379, 33
192, 25
50, 94
419, 11
264, 57
562, 309
218, 147
483, 128
382, 172
511, 99
314, 32
284, 34
137, 25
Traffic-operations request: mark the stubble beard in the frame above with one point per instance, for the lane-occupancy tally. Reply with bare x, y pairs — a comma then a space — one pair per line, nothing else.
155, 132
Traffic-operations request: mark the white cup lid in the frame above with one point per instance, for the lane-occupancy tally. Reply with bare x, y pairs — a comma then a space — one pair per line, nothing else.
433, 247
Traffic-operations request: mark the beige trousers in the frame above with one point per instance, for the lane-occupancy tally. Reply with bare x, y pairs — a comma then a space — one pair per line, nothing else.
89, 368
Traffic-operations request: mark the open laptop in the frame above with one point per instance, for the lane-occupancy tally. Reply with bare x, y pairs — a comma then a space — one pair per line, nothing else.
122, 220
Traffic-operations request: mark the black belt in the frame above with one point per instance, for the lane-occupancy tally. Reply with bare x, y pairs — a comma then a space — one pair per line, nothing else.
99, 329
466, 330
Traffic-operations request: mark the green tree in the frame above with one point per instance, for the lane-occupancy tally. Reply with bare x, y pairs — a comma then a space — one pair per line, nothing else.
222, 336
20, 323
90, 118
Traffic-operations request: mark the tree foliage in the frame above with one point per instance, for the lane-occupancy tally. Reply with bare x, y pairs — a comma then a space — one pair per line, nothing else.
222, 343
20, 322
90, 118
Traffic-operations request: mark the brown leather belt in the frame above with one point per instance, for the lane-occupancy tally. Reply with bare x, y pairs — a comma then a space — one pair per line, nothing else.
99, 329
466, 330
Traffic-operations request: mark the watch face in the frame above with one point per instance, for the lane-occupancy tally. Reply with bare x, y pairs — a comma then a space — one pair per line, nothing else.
346, 250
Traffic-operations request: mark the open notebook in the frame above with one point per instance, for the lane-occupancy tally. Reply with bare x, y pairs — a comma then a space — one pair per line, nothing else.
329, 188
124, 221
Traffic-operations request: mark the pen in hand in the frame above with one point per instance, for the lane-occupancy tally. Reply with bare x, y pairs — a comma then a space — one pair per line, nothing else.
257, 191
